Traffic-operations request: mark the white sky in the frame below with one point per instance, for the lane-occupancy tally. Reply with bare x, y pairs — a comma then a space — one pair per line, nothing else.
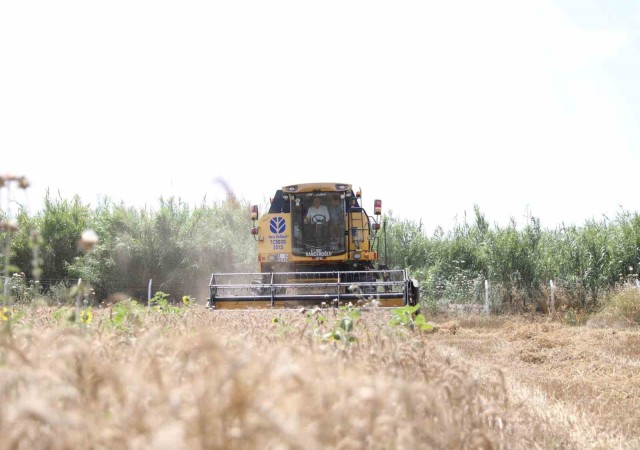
432, 106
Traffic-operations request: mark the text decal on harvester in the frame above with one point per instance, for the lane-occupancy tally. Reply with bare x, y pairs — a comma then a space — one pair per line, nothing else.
278, 226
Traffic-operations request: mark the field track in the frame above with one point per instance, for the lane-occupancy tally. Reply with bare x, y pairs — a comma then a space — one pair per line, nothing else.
571, 387
134, 378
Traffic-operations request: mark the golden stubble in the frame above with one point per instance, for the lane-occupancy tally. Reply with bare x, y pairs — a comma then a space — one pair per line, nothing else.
208, 380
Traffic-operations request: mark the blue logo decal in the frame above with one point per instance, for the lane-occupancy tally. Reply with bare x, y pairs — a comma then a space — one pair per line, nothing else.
277, 225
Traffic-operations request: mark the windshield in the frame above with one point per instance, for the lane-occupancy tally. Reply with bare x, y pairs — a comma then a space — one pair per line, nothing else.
318, 224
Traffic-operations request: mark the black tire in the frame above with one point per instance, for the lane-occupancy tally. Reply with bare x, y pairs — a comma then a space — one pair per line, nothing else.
414, 292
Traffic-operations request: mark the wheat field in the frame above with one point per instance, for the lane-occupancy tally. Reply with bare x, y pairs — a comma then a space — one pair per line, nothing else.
132, 378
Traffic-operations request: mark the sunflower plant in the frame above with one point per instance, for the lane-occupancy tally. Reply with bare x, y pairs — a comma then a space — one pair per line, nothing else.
8, 319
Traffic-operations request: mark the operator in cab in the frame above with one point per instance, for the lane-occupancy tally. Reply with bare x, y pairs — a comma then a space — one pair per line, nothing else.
317, 212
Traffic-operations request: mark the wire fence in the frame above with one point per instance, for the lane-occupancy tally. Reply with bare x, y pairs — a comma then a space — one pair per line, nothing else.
22, 290
492, 297
477, 295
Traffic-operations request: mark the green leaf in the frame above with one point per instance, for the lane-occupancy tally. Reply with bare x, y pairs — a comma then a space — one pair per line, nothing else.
346, 324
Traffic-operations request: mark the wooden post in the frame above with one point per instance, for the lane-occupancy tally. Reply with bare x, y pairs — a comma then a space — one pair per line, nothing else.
78, 301
149, 294
552, 300
486, 297
6, 291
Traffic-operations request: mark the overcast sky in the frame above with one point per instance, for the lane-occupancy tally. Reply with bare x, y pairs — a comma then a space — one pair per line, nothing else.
529, 106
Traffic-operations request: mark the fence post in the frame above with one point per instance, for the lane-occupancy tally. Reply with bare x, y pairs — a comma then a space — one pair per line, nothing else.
149, 294
486, 297
552, 303
637, 284
78, 297
6, 291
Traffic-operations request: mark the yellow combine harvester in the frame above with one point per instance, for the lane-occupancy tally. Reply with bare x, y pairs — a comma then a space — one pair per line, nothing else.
315, 246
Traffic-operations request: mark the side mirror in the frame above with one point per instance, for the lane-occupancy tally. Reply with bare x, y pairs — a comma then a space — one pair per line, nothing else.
254, 212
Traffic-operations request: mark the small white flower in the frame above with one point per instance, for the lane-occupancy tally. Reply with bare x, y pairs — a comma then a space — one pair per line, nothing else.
88, 240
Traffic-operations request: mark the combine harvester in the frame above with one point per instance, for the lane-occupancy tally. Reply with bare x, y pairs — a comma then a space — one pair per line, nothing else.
315, 247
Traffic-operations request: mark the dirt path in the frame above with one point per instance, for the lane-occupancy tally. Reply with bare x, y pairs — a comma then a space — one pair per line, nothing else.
570, 387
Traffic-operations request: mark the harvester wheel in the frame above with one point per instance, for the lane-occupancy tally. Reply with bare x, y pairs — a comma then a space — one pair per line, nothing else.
414, 292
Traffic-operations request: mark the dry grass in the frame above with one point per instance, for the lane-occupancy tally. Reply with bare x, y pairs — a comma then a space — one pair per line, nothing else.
621, 308
577, 386
239, 380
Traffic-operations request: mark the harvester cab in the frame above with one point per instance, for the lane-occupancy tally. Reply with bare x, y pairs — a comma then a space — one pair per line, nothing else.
316, 245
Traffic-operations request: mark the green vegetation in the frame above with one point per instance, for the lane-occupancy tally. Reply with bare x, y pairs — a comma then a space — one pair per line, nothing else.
343, 328
408, 317
178, 246
586, 263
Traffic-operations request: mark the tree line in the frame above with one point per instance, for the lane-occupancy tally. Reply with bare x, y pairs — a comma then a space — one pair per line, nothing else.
520, 260
175, 245
179, 246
